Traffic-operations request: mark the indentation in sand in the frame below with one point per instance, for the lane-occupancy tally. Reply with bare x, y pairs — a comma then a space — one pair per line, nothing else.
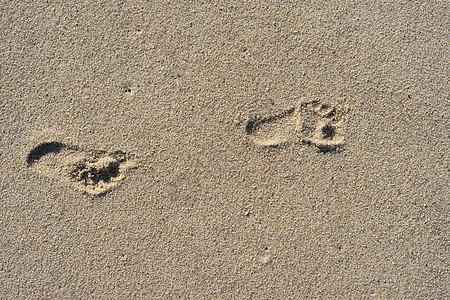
93, 172
308, 122
272, 130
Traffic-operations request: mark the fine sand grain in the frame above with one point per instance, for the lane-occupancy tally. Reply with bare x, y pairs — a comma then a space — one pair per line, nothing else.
224, 150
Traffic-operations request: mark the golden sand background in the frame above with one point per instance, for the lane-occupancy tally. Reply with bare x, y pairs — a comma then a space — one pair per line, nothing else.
209, 214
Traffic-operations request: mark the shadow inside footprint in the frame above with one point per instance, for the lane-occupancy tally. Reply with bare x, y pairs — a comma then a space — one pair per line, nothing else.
91, 175
310, 122
328, 132
327, 137
43, 149
253, 124
94, 172
272, 131
327, 149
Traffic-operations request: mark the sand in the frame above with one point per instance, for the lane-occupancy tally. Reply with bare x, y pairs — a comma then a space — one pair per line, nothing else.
224, 150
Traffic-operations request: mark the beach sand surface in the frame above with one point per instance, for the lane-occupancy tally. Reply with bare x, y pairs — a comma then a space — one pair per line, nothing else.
224, 150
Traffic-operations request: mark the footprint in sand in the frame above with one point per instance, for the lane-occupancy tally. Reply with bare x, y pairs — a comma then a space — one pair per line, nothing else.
273, 130
308, 122
93, 172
